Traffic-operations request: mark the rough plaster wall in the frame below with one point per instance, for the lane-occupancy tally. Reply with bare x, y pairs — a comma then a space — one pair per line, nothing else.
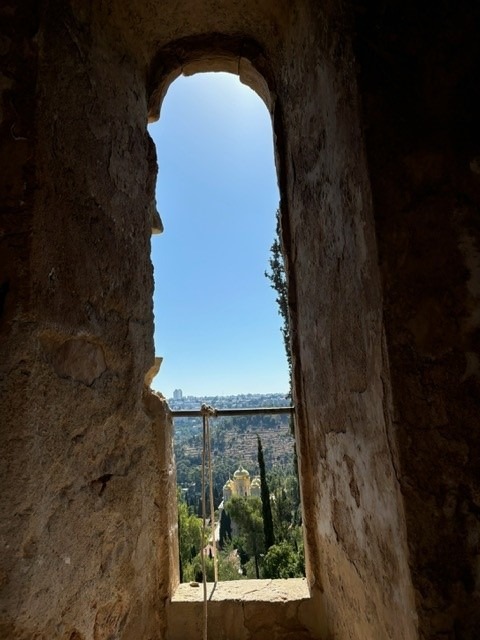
88, 465
419, 76
89, 475
18, 54
353, 514
17, 90
355, 526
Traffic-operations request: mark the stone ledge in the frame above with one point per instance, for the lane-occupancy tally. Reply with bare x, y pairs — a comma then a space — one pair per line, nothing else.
245, 610
277, 590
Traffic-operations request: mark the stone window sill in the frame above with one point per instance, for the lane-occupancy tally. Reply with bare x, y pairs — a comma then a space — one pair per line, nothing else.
243, 610
292, 589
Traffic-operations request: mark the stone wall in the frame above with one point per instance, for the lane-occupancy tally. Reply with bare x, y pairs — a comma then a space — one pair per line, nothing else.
351, 497
87, 476
88, 490
418, 73
244, 609
353, 513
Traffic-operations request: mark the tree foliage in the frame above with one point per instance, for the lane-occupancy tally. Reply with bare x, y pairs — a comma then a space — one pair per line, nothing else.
225, 533
229, 567
269, 536
278, 279
283, 561
189, 537
247, 514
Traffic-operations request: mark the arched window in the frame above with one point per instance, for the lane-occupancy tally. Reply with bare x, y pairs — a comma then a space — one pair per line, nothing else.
217, 324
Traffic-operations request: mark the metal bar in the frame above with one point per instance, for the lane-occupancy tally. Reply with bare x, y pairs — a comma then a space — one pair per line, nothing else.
252, 411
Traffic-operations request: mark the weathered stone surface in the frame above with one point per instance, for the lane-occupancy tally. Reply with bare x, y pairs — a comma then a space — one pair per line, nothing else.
295, 589
421, 145
152, 372
79, 359
387, 429
241, 610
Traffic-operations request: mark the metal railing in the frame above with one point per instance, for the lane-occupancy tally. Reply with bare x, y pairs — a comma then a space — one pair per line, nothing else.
218, 413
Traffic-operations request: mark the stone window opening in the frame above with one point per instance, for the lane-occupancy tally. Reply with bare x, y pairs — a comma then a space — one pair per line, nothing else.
218, 193
368, 171
267, 100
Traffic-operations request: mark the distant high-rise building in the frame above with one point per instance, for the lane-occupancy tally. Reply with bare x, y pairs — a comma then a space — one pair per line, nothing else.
177, 394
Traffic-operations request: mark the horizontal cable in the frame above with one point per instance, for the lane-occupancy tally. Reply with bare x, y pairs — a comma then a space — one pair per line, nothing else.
251, 411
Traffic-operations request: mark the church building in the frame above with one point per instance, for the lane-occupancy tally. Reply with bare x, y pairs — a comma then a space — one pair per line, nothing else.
240, 485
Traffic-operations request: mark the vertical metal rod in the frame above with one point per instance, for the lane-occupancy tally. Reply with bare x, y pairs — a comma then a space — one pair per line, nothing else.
204, 527
212, 507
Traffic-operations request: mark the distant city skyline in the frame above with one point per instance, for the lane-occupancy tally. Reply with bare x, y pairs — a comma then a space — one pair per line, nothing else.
186, 397
216, 321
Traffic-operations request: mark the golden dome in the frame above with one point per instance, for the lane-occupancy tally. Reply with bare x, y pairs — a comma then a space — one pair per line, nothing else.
241, 473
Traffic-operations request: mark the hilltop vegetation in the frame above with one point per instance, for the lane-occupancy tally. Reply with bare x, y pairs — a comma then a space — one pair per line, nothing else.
235, 441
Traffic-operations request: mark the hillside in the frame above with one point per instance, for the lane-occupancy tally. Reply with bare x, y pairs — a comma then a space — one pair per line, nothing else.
234, 441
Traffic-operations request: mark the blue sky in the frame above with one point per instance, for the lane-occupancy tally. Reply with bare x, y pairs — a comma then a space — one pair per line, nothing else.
216, 320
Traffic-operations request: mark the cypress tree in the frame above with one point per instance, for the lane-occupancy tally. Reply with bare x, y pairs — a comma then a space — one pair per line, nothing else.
225, 528
278, 281
265, 494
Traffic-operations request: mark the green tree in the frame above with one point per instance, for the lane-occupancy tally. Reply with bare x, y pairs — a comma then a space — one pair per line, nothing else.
282, 561
278, 280
225, 533
189, 537
269, 536
229, 567
247, 513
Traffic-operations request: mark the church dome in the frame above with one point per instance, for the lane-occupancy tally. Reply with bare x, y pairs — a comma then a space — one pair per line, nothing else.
228, 484
256, 487
241, 473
